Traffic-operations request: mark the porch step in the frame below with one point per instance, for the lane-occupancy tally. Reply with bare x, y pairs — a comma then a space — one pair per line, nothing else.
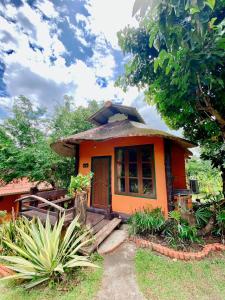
101, 235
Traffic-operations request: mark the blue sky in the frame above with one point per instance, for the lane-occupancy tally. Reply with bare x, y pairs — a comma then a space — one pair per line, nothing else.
52, 48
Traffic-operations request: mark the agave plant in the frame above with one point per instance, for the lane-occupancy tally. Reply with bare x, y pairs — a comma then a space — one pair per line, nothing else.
46, 254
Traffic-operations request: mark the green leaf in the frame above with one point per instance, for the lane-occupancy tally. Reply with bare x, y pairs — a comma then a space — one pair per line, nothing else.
194, 10
210, 3
153, 34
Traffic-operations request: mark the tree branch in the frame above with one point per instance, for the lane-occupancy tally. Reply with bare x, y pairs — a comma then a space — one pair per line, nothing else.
210, 109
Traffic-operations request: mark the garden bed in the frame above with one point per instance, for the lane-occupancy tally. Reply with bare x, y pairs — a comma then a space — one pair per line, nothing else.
182, 255
194, 247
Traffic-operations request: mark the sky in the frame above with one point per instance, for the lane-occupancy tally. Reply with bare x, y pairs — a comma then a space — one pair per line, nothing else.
52, 48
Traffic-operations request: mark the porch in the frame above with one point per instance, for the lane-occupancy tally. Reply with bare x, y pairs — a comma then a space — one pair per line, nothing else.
56, 203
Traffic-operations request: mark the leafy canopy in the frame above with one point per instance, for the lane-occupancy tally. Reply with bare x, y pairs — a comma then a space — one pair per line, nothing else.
177, 56
25, 139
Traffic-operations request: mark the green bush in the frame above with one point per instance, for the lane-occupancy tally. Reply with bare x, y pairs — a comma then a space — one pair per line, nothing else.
45, 254
178, 232
202, 215
147, 222
79, 183
220, 223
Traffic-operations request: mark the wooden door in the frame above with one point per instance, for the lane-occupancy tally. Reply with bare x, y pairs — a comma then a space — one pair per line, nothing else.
101, 182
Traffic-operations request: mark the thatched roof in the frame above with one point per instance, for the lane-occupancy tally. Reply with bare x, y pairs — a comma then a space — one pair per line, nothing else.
117, 129
109, 109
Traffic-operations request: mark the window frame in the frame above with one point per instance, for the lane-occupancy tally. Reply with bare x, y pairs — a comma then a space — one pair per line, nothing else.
140, 176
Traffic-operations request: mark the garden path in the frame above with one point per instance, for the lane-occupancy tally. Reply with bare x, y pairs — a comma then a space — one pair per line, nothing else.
119, 282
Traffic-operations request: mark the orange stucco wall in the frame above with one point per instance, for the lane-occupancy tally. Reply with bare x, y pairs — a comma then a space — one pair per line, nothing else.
121, 203
178, 167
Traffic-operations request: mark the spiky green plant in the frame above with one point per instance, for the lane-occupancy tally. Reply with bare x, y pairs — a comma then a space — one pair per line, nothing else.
147, 222
46, 254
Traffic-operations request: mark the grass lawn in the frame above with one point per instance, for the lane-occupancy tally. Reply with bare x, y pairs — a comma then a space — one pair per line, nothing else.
83, 286
164, 279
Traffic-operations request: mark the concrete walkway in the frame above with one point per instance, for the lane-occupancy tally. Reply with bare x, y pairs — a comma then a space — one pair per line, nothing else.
119, 282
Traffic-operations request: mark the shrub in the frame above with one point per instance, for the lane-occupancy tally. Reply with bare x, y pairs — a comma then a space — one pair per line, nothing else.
220, 223
79, 183
9, 232
45, 254
202, 215
178, 232
147, 222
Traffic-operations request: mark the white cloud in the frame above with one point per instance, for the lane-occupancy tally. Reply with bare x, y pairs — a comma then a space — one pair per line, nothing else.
47, 8
32, 73
108, 17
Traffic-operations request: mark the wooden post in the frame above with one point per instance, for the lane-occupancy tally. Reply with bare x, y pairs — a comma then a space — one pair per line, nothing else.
77, 158
169, 179
81, 206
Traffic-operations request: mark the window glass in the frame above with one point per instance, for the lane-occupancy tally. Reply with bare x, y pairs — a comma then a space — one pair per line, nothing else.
121, 155
147, 186
146, 170
146, 154
121, 185
132, 155
133, 170
133, 185
120, 169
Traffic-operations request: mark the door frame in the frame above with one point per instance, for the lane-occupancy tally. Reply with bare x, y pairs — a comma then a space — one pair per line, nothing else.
109, 202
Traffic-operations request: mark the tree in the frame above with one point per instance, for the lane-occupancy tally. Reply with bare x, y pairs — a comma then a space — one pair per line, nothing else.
25, 139
209, 178
177, 56
69, 119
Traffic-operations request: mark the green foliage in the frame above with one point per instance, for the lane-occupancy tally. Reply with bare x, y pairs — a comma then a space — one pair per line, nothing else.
202, 215
177, 55
178, 232
9, 232
209, 178
3, 213
147, 222
175, 215
220, 223
46, 254
80, 183
81, 284
25, 139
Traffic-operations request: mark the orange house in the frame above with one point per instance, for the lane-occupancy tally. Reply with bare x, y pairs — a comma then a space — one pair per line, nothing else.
134, 166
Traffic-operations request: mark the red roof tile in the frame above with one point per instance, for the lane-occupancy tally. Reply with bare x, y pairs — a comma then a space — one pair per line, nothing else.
21, 186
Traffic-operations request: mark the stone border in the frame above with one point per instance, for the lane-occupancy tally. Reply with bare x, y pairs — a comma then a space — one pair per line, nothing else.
182, 255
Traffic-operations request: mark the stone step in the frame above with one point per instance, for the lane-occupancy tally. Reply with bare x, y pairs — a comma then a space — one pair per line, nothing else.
113, 241
101, 235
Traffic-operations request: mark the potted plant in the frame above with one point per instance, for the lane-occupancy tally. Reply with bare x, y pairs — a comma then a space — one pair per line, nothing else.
79, 188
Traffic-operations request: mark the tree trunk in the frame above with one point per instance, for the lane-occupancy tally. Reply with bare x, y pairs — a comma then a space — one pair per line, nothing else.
81, 206
208, 228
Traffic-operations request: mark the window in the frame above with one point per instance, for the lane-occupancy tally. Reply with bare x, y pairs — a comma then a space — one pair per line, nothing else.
134, 174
